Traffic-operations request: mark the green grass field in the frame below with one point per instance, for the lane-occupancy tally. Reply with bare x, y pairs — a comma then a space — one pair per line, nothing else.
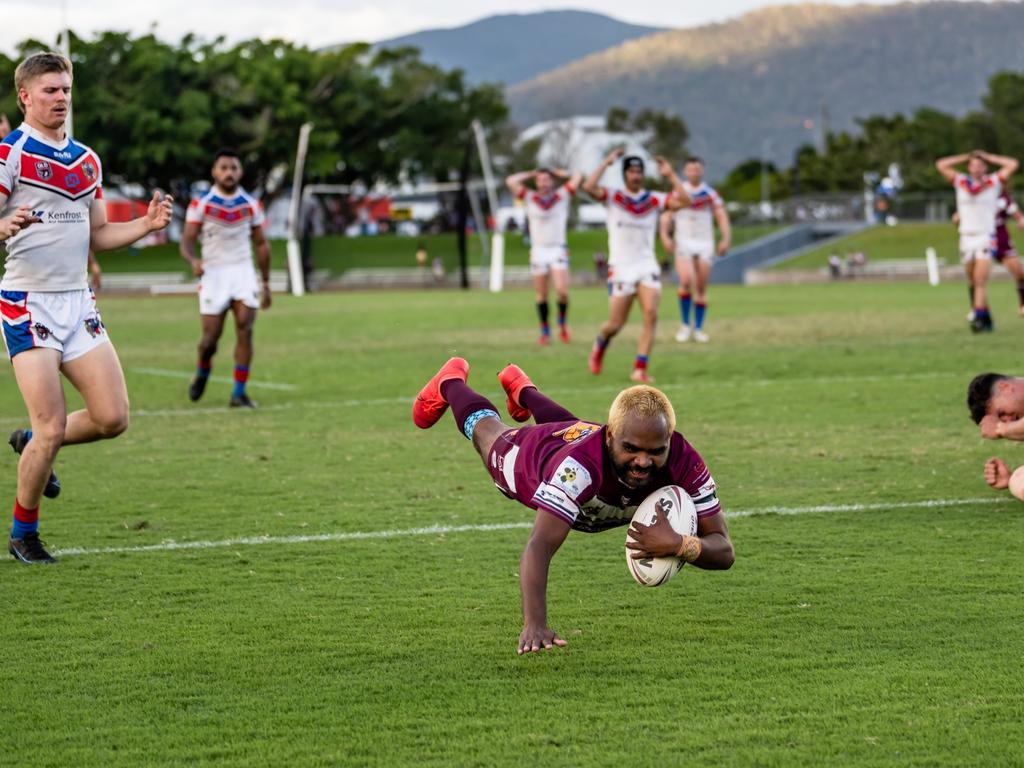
337, 253
250, 589
903, 241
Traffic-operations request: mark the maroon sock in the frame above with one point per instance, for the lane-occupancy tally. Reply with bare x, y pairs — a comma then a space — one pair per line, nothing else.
543, 408
1020, 292
465, 403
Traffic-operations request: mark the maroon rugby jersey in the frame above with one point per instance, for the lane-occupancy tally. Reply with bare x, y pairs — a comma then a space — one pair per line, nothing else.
1006, 208
563, 468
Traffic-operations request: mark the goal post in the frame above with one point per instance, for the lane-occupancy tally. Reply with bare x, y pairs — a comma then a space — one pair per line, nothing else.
295, 275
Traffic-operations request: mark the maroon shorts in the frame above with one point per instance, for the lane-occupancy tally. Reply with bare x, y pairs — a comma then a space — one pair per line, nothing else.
501, 462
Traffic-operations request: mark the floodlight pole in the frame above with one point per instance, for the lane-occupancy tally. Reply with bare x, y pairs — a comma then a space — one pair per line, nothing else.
295, 275
64, 42
498, 238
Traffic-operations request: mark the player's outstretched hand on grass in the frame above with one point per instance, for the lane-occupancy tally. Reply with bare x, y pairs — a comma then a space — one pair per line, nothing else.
17, 221
989, 427
997, 473
539, 639
659, 539
161, 208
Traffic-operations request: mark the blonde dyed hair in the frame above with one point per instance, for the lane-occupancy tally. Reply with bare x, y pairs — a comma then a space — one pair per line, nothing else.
38, 64
642, 401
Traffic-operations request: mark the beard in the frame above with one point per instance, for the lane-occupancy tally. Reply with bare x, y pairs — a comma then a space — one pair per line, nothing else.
633, 477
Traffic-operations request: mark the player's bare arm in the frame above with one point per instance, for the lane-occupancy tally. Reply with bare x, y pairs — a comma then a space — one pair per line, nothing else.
665, 229
545, 539
109, 236
592, 186
1005, 166
710, 549
187, 247
724, 229
261, 248
947, 165
516, 183
679, 198
573, 179
993, 427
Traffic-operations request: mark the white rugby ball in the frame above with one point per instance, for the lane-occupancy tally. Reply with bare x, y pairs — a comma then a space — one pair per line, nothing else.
677, 505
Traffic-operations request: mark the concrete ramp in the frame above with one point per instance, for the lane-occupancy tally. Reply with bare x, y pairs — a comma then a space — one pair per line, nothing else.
779, 246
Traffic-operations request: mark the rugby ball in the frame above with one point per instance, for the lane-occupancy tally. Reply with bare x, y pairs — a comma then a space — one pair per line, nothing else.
677, 505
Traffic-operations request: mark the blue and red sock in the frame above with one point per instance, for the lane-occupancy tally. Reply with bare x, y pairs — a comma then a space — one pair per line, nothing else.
203, 369
698, 317
641, 363
241, 377
684, 307
26, 521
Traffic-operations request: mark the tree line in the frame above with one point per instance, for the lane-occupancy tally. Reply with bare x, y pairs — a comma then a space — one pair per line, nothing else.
156, 112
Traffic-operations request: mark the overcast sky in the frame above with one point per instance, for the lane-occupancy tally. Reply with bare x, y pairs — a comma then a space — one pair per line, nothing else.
321, 22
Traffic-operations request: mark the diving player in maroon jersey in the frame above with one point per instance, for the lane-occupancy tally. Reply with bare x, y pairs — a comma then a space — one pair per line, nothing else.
51, 188
580, 475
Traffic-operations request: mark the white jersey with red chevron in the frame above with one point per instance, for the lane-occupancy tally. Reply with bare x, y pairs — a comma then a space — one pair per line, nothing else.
695, 223
226, 224
548, 216
977, 202
58, 181
632, 224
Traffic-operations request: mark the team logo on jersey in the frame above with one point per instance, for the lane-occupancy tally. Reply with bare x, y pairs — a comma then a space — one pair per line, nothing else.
572, 477
41, 331
94, 326
44, 170
577, 431
89, 170
72, 180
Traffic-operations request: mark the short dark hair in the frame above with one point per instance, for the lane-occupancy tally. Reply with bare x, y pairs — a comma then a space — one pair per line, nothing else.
979, 392
632, 161
226, 152
545, 169
695, 159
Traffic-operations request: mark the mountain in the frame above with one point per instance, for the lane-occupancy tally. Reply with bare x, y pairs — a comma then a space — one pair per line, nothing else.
515, 47
758, 80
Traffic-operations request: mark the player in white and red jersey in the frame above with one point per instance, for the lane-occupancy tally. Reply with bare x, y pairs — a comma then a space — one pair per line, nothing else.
580, 475
547, 211
51, 187
689, 234
633, 268
977, 200
228, 224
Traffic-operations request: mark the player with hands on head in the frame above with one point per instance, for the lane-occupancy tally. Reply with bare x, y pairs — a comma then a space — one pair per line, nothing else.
547, 213
633, 268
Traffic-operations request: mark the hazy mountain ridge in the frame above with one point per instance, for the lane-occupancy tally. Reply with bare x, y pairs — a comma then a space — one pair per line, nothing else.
758, 78
511, 48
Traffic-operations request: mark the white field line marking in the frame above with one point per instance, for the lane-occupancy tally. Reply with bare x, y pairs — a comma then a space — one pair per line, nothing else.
433, 530
170, 374
407, 400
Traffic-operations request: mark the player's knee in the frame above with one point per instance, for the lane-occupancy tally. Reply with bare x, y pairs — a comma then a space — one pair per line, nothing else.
48, 436
207, 346
650, 316
114, 423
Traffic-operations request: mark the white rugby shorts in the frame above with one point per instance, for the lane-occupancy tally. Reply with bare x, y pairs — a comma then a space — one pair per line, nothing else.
976, 247
221, 285
702, 249
67, 321
544, 258
623, 279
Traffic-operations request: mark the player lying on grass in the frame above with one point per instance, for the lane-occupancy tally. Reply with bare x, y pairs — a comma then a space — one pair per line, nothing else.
580, 475
996, 402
